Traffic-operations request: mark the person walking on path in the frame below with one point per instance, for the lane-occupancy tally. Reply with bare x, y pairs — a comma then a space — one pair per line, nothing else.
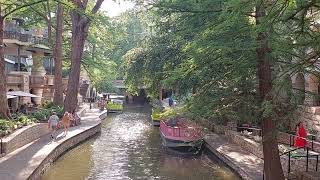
301, 134
66, 122
171, 101
53, 123
76, 118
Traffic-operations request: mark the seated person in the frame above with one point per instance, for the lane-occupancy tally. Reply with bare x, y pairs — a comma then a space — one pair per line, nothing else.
76, 118
172, 122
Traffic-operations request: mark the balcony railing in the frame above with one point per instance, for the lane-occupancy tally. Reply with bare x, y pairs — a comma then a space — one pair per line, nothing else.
25, 37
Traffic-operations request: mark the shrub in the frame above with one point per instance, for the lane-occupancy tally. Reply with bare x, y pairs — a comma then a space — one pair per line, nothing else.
48, 105
59, 110
169, 113
40, 115
45, 113
6, 127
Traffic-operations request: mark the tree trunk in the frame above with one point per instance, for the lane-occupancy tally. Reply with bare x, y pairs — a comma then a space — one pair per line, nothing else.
80, 27
272, 165
3, 78
49, 23
58, 86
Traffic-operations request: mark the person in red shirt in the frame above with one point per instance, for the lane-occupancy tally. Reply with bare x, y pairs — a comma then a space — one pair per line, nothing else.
301, 135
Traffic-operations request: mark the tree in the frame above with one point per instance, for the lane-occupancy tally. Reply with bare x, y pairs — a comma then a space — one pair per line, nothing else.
218, 58
80, 27
272, 164
58, 88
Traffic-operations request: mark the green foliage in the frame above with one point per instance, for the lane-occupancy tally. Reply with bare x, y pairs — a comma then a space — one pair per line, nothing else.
41, 115
17, 121
44, 113
6, 127
206, 52
169, 113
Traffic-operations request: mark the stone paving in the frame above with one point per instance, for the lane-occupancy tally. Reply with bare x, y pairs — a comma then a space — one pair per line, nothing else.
21, 163
247, 165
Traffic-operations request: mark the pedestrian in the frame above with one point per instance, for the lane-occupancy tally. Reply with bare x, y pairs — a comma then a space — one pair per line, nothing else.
170, 101
301, 134
66, 122
76, 118
102, 104
53, 123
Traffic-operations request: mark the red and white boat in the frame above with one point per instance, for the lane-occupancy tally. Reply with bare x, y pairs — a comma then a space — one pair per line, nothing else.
181, 135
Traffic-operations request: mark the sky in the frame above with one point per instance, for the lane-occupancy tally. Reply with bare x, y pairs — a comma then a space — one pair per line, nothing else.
113, 8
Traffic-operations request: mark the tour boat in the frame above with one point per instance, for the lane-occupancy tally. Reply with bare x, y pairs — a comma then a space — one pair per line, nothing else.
182, 136
115, 104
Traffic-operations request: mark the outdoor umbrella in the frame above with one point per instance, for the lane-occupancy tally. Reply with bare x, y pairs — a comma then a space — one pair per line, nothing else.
10, 96
22, 94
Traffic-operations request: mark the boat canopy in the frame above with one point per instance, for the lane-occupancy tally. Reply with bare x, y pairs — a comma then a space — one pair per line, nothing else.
116, 101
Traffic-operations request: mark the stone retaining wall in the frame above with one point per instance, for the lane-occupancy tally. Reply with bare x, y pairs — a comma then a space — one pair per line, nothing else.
227, 162
219, 129
23, 136
246, 143
310, 116
63, 147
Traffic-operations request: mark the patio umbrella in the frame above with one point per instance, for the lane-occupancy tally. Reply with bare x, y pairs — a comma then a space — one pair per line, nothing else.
22, 94
10, 96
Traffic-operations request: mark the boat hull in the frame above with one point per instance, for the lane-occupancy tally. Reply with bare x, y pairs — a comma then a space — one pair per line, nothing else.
156, 122
182, 147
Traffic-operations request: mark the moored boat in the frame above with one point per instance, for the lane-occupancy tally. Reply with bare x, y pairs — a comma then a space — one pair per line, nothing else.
157, 109
182, 136
155, 117
114, 103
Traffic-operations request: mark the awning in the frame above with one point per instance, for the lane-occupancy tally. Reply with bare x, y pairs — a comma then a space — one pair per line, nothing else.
10, 96
9, 61
22, 94
116, 97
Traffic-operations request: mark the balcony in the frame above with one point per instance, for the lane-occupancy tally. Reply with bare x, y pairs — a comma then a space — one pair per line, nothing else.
37, 81
14, 79
27, 38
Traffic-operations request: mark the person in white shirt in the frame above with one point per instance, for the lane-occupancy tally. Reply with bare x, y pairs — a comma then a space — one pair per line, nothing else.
53, 123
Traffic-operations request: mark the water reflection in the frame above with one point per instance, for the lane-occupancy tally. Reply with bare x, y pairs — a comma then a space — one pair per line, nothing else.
129, 147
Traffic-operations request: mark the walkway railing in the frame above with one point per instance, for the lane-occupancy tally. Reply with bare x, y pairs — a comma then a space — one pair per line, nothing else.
309, 147
24, 37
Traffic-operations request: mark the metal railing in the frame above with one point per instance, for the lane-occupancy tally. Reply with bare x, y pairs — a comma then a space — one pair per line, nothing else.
181, 131
291, 144
250, 129
307, 156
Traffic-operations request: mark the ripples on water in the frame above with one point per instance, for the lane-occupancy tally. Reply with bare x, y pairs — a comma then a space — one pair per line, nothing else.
129, 147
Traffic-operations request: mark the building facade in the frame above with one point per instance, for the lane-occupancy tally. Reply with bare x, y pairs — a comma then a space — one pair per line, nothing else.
28, 63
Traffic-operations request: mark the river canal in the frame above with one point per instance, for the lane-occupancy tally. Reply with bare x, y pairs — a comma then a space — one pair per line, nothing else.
129, 147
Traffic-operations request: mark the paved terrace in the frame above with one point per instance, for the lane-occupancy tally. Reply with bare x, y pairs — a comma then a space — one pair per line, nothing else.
21, 163
246, 164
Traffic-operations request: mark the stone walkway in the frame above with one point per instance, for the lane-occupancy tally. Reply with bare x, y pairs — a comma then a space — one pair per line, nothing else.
21, 163
247, 165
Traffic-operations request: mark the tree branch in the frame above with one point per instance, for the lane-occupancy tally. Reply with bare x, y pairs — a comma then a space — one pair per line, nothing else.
22, 6
97, 6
